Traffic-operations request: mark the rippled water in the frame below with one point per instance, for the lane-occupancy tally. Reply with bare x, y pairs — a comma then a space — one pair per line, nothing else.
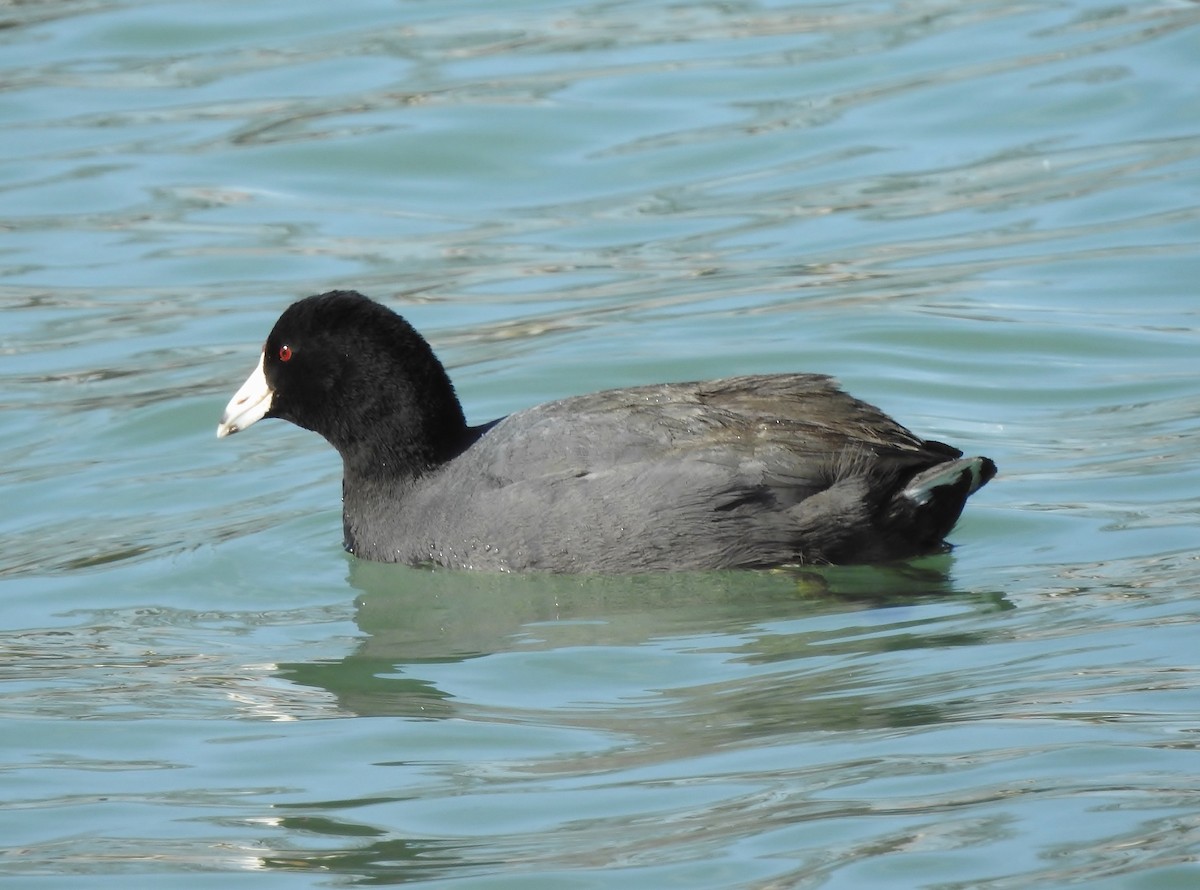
982, 216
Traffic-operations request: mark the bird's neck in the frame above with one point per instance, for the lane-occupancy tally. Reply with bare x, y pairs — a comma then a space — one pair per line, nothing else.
375, 461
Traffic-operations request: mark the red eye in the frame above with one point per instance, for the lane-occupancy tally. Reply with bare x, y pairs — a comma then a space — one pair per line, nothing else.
285, 353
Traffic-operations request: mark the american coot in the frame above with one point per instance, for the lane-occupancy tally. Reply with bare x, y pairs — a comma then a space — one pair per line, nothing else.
749, 471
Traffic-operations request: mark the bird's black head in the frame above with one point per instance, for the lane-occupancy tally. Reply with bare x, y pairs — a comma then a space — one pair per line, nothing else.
352, 370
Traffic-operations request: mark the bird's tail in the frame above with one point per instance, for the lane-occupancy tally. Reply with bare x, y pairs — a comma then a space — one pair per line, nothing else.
929, 505
963, 477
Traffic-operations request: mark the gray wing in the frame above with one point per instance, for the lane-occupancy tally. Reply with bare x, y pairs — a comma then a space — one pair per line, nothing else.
720, 473
789, 423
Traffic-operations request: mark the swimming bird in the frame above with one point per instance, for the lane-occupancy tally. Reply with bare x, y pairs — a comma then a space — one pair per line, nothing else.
743, 472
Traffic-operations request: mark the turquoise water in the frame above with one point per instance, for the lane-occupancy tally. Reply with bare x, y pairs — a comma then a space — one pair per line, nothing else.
982, 216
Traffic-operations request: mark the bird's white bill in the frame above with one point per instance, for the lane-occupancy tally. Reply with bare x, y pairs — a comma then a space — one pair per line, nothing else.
249, 404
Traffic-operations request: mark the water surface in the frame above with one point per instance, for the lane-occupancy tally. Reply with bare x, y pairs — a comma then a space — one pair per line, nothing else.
981, 216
